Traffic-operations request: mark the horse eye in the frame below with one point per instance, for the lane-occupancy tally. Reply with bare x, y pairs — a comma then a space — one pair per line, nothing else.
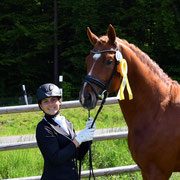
109, 62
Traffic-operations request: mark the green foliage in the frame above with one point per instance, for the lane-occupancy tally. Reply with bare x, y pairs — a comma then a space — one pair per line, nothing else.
26, 40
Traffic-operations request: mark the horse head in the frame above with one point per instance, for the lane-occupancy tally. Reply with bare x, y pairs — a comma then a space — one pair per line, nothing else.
102, 65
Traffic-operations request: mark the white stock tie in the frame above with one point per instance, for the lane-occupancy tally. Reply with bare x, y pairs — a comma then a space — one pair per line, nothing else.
60, 120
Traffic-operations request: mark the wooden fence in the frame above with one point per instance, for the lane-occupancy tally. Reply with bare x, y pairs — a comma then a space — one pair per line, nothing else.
35, 107
100, 135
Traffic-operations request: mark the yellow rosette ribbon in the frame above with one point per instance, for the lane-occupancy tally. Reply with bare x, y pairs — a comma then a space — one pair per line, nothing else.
123, 69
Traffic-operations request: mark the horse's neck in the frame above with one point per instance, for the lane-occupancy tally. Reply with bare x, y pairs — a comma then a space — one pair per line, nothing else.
149, 91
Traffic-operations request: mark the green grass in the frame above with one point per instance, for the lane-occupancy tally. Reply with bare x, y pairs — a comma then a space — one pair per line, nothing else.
25, 123
29, 162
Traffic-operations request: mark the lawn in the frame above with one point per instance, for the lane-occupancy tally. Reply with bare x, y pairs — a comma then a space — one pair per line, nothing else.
29, 162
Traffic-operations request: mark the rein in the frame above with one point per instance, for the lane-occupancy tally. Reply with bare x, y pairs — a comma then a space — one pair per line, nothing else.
105, 87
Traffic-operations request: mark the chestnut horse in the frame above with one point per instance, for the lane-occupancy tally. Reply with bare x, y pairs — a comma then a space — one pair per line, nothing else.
152, 116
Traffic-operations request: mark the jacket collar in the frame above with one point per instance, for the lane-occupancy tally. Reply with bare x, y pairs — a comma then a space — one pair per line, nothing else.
59, 129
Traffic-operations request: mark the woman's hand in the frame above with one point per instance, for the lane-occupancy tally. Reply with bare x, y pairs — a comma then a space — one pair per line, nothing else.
85, 135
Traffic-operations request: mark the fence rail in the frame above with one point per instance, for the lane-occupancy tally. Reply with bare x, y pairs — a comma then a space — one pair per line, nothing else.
97, 172
35, 107
33, 144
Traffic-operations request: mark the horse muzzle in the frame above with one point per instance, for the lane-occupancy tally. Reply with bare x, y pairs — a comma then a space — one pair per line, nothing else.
88, 100
90, 92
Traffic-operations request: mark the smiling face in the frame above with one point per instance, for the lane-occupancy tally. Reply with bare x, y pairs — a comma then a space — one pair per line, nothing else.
50, 105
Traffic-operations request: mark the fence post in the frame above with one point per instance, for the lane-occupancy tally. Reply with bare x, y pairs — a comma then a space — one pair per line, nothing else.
25, 94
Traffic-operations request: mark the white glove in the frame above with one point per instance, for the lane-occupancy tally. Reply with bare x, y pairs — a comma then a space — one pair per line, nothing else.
85, 135
89, 123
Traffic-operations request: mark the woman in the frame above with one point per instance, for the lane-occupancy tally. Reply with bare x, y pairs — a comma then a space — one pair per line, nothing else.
56, 137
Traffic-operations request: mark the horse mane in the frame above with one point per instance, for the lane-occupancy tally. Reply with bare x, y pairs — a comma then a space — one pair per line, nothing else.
152, 65
145, 59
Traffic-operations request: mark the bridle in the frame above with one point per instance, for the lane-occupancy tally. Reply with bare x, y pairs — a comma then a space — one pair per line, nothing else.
105, 87
93, 80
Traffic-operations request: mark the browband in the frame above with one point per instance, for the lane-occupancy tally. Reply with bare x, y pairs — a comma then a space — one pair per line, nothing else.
105, 50
102, 51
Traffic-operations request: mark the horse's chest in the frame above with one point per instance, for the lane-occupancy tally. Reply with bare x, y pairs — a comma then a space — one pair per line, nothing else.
142, 137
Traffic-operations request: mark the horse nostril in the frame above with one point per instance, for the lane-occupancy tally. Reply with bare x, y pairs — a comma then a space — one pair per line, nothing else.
89, 97
86, 100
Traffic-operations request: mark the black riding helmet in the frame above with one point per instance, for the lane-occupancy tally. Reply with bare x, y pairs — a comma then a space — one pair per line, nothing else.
48, 90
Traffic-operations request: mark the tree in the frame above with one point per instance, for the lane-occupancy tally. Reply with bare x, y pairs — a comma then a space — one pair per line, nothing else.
27, 38
26, 45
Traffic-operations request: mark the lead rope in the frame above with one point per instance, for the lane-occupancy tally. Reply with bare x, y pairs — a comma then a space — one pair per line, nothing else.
91, 173
105, 93
99, 110
80, 162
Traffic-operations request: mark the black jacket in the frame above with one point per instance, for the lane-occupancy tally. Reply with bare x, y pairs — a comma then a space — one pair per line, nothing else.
58, 150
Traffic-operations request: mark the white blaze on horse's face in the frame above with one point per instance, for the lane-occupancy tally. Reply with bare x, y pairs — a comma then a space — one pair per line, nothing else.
95, 57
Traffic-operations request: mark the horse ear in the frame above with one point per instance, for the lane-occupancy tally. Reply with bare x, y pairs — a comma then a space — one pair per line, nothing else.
92, 37
111, 34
